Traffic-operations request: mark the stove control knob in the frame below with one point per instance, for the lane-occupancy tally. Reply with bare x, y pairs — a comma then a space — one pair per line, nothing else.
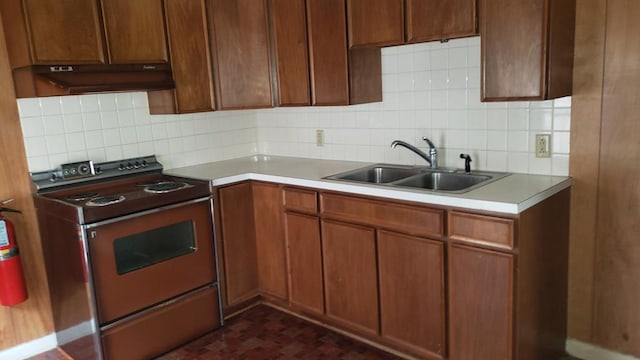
84, 169
144, 163
121, 167
129, 166
98, 170
136, 165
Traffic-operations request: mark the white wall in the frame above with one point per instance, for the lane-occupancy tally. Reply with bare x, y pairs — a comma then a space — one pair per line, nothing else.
430, 89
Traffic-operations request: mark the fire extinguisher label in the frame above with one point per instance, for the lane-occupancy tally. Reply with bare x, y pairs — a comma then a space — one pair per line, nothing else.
4, 236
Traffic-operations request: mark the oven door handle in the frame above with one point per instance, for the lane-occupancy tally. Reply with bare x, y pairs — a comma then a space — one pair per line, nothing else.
146, 212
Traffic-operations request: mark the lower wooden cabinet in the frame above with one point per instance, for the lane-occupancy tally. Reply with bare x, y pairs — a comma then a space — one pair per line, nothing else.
270, 241
477, 286
304, 251
350, 275
481, 289
412, 295
237, 228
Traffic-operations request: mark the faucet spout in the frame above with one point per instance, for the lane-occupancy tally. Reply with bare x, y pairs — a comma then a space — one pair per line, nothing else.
431, 158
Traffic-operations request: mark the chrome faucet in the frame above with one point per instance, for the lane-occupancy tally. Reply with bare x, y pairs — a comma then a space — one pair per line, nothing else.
431, 158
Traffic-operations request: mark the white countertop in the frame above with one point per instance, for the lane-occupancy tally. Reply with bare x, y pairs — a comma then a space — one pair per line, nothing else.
512, 194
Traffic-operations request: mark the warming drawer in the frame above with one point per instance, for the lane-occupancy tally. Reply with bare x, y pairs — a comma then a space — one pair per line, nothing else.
163, 328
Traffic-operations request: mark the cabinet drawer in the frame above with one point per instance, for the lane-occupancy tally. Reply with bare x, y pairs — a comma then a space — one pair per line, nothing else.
305, 201
483, 229
163, 329
415, 220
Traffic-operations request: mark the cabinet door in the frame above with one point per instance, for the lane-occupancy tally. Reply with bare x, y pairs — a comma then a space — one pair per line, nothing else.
412, 293
527, 49
270, 245
190, 61
238, 242
375, 22
64, 32
326, 22
350, 275
480, 304
289, 34
440, 19
135, 31
305, 261
241, 53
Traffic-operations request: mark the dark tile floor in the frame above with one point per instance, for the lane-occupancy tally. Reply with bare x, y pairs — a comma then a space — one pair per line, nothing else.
263, 333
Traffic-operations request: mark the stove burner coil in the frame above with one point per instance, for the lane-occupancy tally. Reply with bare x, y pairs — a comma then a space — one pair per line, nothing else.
165, 187
105, 200
82, 196
152, 182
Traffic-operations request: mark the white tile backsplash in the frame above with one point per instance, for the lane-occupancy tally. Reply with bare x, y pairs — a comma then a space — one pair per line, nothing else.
443, 104
114, 126
429, 89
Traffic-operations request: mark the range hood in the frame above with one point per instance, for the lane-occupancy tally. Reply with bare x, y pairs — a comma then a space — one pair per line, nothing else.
52, 80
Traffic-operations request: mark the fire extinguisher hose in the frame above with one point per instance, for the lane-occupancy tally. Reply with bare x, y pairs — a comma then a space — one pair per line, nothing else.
9, 253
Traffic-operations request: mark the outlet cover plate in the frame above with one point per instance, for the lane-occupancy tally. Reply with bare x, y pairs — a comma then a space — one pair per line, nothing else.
543, 145
319, 137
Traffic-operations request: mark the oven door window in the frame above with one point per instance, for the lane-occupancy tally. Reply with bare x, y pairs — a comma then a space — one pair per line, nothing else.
144, 249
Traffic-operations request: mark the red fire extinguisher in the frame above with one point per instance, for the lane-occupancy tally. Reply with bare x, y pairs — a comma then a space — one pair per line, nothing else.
13, 288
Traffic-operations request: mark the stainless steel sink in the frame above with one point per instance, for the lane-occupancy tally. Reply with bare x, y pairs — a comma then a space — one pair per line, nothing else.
377, 174
417, 177
443, 181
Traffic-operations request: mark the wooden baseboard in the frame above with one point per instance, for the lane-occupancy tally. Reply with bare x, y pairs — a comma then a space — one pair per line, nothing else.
30, 348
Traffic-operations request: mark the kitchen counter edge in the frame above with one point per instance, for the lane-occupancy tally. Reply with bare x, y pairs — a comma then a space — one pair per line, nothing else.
511, 195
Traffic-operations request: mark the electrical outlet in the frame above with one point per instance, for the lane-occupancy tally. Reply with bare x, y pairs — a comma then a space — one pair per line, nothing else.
319, 137
543, 145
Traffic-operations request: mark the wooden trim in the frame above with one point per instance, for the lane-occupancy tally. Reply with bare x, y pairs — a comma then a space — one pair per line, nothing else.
33, 318
586, 116
616, 322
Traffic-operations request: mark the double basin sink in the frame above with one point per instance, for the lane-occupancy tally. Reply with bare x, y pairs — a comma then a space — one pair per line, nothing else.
416, 177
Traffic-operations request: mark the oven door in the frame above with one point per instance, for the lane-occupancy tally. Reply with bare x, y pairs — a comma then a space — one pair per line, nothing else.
143, 259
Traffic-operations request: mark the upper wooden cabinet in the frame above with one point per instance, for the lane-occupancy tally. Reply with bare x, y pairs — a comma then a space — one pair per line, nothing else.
428, 20
240, 47
291, 52
135, 31
338, 76
53, 32
328, 46
527, 49
190, 58
312, 63
43, 32
395, 22
375, 22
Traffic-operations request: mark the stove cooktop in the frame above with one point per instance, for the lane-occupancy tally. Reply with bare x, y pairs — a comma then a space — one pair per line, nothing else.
113, 193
